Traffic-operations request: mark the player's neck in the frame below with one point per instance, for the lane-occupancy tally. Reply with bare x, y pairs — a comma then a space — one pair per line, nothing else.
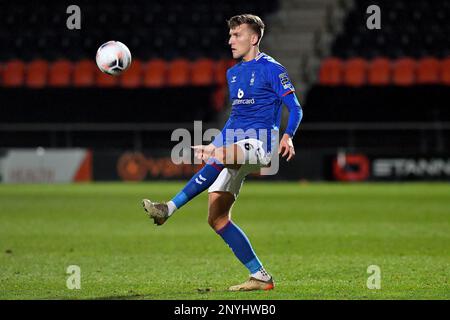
251, 54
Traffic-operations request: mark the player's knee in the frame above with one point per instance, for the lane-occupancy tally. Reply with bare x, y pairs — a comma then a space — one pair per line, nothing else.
218, 223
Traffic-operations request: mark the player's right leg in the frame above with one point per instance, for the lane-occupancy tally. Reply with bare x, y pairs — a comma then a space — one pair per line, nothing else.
231, 157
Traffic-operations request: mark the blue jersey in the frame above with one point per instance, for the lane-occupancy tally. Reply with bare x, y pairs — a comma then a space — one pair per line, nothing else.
256, 89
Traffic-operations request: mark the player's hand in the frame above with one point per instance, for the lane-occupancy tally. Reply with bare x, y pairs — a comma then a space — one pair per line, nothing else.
286, 147
203, 152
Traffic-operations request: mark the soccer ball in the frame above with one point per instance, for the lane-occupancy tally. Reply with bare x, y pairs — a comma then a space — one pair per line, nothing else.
113, 57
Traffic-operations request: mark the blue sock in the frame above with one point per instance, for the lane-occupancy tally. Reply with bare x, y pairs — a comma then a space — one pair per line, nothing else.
201, 181
239, 243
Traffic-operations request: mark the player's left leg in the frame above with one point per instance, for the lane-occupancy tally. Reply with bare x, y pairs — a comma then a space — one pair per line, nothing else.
230, 157
222, 195
219, 218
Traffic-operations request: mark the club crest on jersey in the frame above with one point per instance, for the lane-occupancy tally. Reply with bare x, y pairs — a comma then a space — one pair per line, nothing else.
240, 93
233, 79
285, 82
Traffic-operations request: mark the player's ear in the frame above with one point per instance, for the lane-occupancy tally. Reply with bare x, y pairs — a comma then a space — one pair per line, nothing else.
254, 39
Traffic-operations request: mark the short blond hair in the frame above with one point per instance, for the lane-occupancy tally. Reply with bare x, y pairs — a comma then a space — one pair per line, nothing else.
255, 23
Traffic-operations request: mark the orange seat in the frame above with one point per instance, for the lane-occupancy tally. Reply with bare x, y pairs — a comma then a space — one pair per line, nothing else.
178, 73
232, 62
84, 73
355, 71
404, 72
60, 73
379, 72
104, 80
428, 71
37, 72
14, 73
220, 72
132, 77
155, 73
445, 71
202, 72
330, 72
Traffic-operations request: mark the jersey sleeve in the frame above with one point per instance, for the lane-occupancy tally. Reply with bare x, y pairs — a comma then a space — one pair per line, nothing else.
279, 80
295, 113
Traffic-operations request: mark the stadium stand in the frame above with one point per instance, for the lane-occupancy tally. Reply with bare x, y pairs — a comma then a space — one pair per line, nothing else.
343, 72
150, 29
382, 71
396, 73
402, 22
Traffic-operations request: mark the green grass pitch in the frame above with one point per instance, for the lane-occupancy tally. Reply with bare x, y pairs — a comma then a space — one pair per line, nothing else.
317, 239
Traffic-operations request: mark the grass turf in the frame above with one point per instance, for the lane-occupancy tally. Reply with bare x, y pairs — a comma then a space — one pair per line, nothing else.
317, 239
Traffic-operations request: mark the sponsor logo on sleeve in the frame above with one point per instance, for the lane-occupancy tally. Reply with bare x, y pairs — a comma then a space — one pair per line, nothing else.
285, 82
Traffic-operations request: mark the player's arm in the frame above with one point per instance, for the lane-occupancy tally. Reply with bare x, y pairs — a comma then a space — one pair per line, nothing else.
283, 87
286, 147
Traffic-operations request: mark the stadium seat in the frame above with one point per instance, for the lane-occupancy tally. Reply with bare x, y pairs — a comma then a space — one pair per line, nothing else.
379, 72
60, 73
445, 72
404, 72
220, 72
202, 72
104, 80
83, 73
155, 73
14, 73
428, 71
132, 78
36, 75
231, 63
178, 73
355, 72
330, 72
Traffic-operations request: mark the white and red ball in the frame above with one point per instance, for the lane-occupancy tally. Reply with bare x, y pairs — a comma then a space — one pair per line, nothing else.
113, 57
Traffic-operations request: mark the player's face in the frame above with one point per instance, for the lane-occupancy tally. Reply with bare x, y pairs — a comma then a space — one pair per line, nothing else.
241, 40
